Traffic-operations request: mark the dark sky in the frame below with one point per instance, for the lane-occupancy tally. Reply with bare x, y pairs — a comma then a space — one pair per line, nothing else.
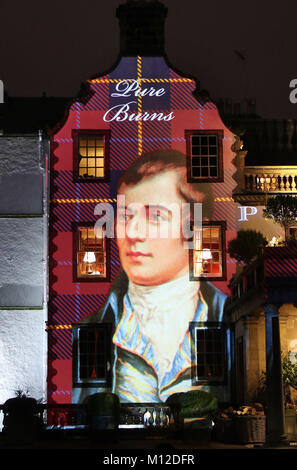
54, 45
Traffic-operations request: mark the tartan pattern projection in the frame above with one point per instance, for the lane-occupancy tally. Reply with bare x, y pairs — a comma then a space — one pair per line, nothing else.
67, 189
281, 261
156, 135
123, 144
75, 202
69, 309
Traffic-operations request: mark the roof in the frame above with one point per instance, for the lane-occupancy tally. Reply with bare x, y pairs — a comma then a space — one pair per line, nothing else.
268, 142
27, 115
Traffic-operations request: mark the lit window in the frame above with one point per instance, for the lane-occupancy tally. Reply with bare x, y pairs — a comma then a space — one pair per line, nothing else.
91, 254
210, 344
204, 150
92, 353
91, 156
293, 233
208, 251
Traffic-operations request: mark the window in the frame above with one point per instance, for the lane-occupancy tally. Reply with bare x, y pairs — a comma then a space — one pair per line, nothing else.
209, 251
92, 354
293, 233
91, 155
91, 253
205, 155
210, 342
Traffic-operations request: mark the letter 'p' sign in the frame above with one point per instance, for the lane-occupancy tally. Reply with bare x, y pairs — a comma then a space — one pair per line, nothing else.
246, 211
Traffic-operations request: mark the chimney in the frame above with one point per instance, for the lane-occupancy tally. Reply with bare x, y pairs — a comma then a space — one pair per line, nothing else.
142, 28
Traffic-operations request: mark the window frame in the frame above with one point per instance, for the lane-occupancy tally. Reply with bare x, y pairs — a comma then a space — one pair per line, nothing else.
76, 133
91, 383
75, 230
219, 133
293, 232
194, 326
223, 227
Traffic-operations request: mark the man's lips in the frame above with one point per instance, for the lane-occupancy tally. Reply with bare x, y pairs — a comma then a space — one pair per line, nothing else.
137, 253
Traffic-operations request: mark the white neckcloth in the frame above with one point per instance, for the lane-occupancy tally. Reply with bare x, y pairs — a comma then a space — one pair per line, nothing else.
164, 313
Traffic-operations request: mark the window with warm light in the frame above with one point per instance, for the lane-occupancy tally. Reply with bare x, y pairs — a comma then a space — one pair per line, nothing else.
91, 253
204, 149
91, 354
91, 156
91, 153
208, 252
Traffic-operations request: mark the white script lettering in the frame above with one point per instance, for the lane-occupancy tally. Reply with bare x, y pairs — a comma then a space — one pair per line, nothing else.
121, 112
125, 89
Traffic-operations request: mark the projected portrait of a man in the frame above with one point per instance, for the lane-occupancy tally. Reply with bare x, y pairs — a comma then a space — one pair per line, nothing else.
156, 297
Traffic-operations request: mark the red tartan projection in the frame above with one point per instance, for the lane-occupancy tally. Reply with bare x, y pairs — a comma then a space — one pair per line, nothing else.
149, 86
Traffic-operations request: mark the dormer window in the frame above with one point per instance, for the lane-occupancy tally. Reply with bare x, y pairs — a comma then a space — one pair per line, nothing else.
205, 155
91, 155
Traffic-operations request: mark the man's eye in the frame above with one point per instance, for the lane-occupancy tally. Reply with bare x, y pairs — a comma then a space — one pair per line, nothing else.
157, 217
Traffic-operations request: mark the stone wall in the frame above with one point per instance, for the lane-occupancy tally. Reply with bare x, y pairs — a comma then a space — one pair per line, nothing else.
23, 266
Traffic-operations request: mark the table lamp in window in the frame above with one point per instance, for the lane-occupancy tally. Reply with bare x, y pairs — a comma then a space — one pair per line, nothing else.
206, 257
89, 259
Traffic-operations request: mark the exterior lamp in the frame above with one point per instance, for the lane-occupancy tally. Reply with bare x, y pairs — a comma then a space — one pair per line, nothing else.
273, 241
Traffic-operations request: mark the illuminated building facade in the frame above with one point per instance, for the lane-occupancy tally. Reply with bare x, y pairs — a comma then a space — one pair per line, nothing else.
141, 105
144, 105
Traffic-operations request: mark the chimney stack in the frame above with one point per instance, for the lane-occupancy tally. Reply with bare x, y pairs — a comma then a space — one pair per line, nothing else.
142, 28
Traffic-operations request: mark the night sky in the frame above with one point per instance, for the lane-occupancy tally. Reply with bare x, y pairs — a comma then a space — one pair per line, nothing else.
53, 46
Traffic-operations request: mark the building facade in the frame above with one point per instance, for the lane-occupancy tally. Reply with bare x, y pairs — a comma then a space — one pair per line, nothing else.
266, 167
141, 105
51, 230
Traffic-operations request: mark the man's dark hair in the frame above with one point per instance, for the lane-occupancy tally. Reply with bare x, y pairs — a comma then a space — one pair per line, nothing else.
153, 163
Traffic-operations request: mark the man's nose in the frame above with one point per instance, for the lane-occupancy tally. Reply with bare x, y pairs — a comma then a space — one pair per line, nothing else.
136, 228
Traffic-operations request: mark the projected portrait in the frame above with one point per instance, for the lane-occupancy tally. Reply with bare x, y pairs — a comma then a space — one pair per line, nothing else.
163, 287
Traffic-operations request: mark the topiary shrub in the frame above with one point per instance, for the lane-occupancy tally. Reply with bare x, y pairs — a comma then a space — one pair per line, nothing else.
103, 409
195, 404
247, 246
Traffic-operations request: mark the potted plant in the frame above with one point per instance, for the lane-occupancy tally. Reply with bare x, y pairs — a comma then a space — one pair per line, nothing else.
22, 422
289, 373
244, 425
289, 369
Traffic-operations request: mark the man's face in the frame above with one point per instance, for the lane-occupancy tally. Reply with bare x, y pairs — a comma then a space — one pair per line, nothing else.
148, 256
